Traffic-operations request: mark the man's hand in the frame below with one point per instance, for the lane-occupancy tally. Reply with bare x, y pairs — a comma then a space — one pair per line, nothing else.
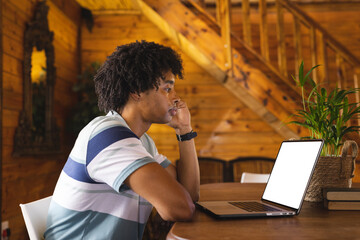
181, 122
187, 171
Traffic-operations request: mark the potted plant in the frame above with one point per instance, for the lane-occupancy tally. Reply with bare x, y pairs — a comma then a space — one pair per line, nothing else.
327, 114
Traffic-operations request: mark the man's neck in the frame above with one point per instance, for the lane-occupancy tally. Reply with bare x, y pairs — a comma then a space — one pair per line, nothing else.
134, 121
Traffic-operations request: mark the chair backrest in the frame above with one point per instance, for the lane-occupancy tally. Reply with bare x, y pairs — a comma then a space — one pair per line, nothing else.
251, 164
212, 170
35, 215
254, 177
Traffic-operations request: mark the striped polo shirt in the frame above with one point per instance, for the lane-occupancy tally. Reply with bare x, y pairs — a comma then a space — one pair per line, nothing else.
90, 200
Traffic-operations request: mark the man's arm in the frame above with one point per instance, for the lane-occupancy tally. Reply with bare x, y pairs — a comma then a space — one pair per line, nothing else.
171, 191
187, 171
156, 185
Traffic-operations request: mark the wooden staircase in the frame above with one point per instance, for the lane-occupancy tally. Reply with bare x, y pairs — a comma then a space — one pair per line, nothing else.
244, 65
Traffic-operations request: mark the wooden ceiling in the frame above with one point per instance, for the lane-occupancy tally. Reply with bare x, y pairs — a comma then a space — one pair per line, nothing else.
105, 5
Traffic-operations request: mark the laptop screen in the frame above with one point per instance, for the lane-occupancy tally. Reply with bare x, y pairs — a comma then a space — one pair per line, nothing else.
292, 171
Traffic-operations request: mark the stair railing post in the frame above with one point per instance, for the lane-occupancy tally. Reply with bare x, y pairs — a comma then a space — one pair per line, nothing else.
313, 52
281, 39
264, 42
322, 60
224, 17
297, 45
245, 7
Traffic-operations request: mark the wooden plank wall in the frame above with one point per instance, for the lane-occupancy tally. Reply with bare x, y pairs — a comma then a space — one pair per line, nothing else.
26, 179
346, 31
226, 127
342, 22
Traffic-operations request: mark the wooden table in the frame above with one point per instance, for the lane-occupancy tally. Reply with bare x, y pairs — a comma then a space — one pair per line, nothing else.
313, 222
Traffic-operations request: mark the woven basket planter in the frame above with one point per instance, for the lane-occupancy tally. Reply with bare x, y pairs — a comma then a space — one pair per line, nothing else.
332, 172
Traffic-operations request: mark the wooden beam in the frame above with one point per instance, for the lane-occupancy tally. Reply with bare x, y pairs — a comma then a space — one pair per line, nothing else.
106, 4
341, 72
135, 4
297, 45
281, 39
260, 110
264, 42
246, 22
313, 52
224, 14
182, 42
321, 57
357, 84
116, 12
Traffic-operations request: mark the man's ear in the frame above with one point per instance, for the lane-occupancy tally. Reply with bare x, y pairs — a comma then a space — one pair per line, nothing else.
135, 96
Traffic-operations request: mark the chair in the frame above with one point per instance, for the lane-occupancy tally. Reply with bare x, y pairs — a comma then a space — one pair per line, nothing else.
251, 164
213, 170
35, 215
254, 177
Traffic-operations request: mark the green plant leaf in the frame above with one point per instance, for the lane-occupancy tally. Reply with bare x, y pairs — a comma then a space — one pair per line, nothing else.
308, 73
301, 74
326, 113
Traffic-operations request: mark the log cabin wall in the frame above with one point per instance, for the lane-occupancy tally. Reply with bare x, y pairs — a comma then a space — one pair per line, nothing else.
340, 20
226, 127
25, 179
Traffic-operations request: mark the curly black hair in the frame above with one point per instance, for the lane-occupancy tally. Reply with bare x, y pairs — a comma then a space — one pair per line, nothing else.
134, 68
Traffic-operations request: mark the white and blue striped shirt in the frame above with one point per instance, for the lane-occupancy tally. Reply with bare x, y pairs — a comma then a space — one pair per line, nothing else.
90, 200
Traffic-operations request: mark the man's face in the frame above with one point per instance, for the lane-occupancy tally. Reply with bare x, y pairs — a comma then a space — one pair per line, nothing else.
159, 105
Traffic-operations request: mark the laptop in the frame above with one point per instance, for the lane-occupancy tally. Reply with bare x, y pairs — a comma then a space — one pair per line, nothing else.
285, 190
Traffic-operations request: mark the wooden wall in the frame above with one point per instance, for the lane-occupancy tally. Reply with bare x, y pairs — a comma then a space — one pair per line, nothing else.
26, 179
342, 24
226, 127
341, 20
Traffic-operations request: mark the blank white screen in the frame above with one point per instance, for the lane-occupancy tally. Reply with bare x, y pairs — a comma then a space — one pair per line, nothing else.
291, 172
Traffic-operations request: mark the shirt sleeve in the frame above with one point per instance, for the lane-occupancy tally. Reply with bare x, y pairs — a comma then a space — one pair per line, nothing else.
162, 160
151, 147
113, 154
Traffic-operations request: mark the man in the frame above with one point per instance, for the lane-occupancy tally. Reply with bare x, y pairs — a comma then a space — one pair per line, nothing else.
114, 174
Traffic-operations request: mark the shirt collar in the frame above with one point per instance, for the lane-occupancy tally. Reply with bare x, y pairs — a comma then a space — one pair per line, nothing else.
113, 113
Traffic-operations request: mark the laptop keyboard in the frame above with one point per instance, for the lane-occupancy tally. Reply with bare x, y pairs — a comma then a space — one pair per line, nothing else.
254, 206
